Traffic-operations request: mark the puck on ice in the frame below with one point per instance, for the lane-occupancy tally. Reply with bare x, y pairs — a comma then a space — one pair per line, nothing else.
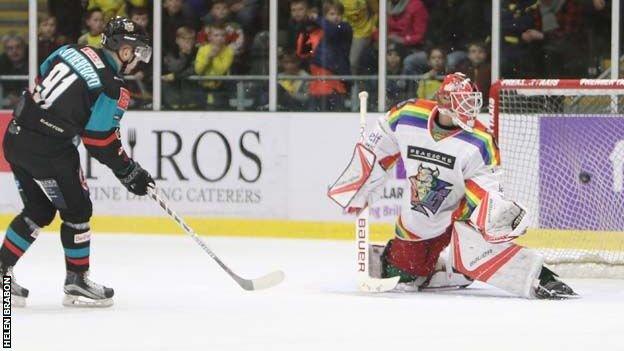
584, 177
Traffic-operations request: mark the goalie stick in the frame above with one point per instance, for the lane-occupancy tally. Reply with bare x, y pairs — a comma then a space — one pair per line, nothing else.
362, 231
267, 281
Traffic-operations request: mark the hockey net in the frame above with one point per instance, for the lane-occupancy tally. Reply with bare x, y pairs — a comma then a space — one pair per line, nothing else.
562, 152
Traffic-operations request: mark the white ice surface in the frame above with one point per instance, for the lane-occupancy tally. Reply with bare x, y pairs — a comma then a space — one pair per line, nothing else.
169, 295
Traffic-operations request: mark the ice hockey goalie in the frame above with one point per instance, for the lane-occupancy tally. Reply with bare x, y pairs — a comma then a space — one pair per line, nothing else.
455, 201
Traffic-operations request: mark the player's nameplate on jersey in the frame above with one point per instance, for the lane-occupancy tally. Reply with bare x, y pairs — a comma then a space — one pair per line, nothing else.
581, 173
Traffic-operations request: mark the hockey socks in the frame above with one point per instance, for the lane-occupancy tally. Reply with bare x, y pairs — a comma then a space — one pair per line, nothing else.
76, 239
21, 233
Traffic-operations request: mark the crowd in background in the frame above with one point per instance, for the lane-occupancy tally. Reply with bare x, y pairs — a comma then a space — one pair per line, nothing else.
327, 47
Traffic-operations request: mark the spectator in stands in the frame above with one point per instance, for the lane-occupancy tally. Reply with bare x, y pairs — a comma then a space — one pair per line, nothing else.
112, 8
292, 93
407, 25
47, 40
331, 57
520, 38
477, 68
14, 61
304, 33
396, 88
178, 92
432, 79
454, 24
362, 15
174, 17
297, 23
140, 85
220, 15
215, 59
140, 16
94, 21
66, 12
244, 12
563, 45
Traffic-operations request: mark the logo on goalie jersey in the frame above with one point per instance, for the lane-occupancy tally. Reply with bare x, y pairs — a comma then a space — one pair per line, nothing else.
428, 191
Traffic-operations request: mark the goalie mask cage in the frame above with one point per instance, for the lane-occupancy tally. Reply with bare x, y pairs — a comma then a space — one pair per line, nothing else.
562, 155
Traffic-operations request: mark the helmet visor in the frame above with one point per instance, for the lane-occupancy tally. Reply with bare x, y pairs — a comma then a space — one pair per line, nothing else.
143, 53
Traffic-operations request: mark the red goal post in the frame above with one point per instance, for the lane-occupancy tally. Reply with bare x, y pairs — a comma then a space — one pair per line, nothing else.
562, 152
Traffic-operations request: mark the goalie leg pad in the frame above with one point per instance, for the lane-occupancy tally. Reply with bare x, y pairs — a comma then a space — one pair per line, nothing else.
507, 266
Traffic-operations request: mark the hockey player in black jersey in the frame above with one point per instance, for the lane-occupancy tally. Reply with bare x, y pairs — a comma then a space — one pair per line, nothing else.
79, 92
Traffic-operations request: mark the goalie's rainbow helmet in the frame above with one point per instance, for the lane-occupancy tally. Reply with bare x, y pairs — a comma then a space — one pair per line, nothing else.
461, 99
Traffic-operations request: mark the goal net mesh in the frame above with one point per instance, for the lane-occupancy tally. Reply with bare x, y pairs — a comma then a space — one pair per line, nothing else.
562, 153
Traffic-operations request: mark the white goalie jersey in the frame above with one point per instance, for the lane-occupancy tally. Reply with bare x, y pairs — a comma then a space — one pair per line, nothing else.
450, 173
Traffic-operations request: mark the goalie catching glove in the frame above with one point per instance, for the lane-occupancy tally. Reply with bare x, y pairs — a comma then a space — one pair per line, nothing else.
136, 179
500, 220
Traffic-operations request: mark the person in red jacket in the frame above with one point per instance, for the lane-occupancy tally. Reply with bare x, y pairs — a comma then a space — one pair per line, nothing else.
407, 25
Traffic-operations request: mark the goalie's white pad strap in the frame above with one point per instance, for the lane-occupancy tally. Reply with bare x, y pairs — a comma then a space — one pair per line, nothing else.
506, 266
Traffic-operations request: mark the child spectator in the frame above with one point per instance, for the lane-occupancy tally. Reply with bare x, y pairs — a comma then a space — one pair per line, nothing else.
94, 20
140, 16
140, 86
331, 57
304, 33
13, 61
215, 59
396, 88
297, 22
179, 92
455, 24
293, 93
47, 40
407, 25
220, 15
477, 67
432, 79
362, 15
173, 17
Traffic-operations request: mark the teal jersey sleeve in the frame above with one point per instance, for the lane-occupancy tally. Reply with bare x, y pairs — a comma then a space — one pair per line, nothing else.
105, 114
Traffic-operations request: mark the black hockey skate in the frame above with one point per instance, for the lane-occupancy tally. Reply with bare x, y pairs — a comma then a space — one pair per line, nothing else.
551, 288
80, 291
18, 292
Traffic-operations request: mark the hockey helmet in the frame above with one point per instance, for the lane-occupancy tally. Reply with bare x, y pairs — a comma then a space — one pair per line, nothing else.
120, 30
461, 99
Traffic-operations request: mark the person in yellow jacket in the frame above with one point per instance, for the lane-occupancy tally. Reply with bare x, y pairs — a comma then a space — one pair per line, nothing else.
362, 15
94, 20
112, 8
432, 80
214, 59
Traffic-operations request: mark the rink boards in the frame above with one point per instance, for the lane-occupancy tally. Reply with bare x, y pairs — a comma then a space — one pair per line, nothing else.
247, 174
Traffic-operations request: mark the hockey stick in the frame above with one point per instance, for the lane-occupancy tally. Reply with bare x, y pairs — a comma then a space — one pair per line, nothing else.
362, 231
267, 281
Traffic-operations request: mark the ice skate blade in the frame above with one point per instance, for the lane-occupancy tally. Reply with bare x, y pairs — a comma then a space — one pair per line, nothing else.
18, 301
85, 302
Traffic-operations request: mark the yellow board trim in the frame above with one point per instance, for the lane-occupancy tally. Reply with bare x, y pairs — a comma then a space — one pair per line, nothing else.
260, 228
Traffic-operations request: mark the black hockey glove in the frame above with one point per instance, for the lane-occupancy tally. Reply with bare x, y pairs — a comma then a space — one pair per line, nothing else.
136, 179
